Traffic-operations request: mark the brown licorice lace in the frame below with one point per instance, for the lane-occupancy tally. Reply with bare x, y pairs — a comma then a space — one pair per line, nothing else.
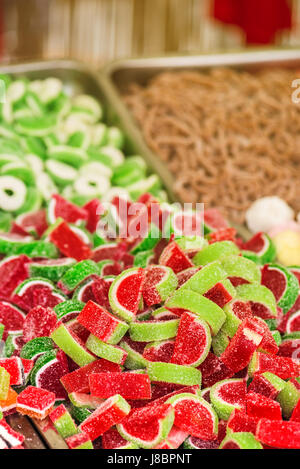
228, 136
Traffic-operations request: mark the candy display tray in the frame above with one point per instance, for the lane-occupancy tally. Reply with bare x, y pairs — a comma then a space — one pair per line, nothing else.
77, 78
118, 75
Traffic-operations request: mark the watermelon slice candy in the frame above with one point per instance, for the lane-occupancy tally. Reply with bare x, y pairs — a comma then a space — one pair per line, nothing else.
33, 223
193, 341
157, 421
12, 318
159, 351
174, 257
159, 283
228, 395
262, 248
47, 372
110, 251
59, 207
125, 293
282, 283
39, 322
213, 370
13, 271
213, 221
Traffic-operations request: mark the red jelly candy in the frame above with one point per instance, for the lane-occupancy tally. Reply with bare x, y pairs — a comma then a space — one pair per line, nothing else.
111, 251
108, 414
259, 406
174, 257
69, 243
214, 370
12, 318
113, 440
159, 352
242, 346
39, 322
33, 222
129, 385
240, 421
279, 434
62, 208
13, 271
78, 380
296, 413
193, 341
261, 385
283, 367
100, 322
35, 402
14, 367
94, 209
219, 295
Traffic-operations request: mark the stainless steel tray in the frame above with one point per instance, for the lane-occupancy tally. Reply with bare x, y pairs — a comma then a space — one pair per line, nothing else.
116, 77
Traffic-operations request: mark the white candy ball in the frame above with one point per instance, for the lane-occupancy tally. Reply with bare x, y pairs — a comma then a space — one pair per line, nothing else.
267, 213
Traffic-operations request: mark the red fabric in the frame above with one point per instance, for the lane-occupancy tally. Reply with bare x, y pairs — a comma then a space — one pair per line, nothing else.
261, 20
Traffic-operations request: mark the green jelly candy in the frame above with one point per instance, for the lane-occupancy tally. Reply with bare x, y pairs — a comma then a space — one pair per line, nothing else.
63, 422
288, 398
61, 173
206, 278
74, 157
51, 269
1, 331
240, 440
171, 373
36, 347
150, 184
79, 292
110, 352
37, 249
143, 259
20, 171
36, 126
134, 359
191, 243
11, 345
5, 221
199, 305
33, 201
149, 331
216, 251
116, 137
259, 294
149, 241
126, 174
277, 337
68, 308
267, 252
77, 273
79, 414
237, 266
220, 342
4, 383
71, 346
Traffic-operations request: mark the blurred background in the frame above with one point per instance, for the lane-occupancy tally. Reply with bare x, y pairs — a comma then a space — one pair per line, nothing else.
95, 31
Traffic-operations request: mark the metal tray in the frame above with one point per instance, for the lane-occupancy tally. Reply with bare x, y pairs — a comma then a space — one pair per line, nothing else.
116, 77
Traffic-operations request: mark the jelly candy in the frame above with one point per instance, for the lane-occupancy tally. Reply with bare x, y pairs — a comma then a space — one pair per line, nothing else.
68, 242
171, 373
160, 282
282, 283
148, 426
4, 383
35, 402
259, 406
195, 416
228, 395
148, 331
241, 440
102, 324
63, 422
174, 257
59, 207
125, 293
15, 369
51, 269
79, 441
39, 322
47, 372
12, 318
193, 341
129, 385
78, 380
110, 413
109, 352
279, 434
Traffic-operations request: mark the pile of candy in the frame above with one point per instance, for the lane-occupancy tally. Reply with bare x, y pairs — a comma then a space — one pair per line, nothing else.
154, 342
51, 142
